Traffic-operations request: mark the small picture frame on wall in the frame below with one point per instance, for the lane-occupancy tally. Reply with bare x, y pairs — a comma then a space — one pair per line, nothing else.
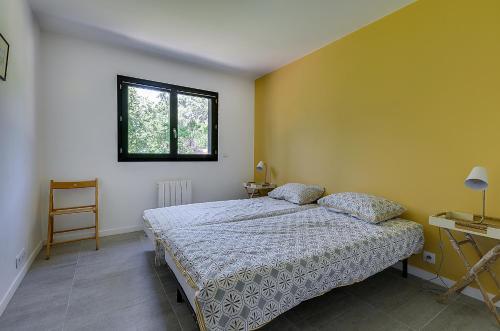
4, 57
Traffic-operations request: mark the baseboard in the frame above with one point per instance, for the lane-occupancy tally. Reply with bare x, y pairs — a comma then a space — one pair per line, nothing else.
102, 233
424, 274
19, 278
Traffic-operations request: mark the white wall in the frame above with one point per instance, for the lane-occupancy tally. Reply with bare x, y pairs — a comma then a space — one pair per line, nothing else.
19, 193
79, 128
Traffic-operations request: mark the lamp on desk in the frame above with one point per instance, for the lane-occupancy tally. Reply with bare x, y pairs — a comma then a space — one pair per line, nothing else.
260, 167
478, 180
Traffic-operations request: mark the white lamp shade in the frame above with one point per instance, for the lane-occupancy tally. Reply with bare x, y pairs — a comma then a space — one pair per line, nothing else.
477, 179
260, 166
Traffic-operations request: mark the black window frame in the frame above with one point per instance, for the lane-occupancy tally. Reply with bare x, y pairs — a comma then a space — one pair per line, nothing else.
122, 94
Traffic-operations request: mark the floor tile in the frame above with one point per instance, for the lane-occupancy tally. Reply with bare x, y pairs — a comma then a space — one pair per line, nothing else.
37, 315
41, 299
400, 300
413, 301
461, 316
92, 272
373, 285
472, 302
168, 281
39, 283
152, 314
113, 249
318, 311
183, 314
363, 317
63, 254
114, 292
281, 323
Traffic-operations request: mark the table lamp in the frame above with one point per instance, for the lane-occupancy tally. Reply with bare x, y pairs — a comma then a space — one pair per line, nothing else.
478, 180
260, 167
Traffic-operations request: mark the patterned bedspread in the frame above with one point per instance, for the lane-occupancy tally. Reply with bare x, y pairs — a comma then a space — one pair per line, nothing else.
247, 273
163, 219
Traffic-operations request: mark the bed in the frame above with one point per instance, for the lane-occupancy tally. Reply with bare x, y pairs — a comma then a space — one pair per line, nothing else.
160, 221
241, 275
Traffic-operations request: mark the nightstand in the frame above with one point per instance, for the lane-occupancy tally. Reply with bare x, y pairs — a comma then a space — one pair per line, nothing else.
470, 226
255, 190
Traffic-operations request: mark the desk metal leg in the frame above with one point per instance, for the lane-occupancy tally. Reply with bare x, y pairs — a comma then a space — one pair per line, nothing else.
474, 271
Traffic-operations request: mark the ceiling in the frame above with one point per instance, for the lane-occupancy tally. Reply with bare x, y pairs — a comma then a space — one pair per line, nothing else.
253, 37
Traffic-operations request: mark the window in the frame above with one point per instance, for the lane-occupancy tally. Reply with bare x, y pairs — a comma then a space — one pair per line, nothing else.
164, 122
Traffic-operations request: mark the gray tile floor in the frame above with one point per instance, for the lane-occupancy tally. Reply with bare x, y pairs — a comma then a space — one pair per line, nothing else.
118, 288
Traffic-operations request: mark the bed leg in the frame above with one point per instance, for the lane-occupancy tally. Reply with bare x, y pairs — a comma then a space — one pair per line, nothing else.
157, 260
157, 253
405, 268
179, 296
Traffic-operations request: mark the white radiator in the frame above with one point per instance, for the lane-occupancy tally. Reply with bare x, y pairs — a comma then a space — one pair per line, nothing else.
174, 192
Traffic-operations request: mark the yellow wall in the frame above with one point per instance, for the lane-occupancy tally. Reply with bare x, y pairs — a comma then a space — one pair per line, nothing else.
402, 108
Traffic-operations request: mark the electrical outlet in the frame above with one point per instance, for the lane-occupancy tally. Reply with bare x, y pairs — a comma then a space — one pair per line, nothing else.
429, 257
20, 258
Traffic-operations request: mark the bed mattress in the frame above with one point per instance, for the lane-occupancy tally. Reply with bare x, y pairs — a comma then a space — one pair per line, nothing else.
244, 274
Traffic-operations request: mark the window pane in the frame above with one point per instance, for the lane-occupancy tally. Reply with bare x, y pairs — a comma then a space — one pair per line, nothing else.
193, 124
148, 121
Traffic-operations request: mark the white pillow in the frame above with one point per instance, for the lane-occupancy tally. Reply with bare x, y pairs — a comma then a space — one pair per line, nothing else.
297, 193
366, 207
